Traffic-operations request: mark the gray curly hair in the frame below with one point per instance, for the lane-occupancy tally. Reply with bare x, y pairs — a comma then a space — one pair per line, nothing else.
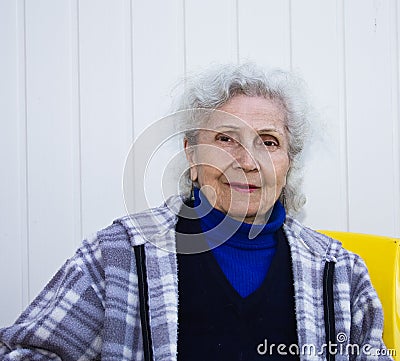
217, 85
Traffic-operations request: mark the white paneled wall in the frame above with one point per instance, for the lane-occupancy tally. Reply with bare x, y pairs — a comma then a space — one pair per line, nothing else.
80, 79
317, 51
264, 32
51, 130
14, 216
105, 106
372, 100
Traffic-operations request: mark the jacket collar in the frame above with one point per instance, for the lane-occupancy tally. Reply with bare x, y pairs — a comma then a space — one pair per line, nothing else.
320, 245
154, 224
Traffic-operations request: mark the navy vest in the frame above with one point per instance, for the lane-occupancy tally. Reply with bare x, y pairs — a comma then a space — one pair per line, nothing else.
216, 323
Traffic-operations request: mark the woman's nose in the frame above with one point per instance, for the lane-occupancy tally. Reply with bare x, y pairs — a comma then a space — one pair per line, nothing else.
246, 160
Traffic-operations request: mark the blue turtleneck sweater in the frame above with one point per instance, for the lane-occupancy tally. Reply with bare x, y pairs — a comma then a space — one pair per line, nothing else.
247, 253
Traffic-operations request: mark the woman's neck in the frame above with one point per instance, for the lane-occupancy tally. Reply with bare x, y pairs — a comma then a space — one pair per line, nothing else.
212, 217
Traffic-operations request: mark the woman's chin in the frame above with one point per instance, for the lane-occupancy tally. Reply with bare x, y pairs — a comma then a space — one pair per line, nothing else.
251, 216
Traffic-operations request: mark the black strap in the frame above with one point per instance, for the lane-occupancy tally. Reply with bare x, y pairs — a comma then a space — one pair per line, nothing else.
143, 297
329, 312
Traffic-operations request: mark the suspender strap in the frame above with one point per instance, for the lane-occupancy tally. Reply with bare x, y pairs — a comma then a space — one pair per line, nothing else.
329, 312
143, 297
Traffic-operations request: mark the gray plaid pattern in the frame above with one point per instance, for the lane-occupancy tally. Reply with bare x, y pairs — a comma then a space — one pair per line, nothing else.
89, 310
358, 311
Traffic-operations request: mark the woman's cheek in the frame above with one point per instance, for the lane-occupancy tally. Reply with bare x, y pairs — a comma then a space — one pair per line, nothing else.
218, 161
281, 165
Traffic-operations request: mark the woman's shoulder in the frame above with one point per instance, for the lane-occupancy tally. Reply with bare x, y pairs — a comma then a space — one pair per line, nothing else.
138, 228
310, 247
318, 243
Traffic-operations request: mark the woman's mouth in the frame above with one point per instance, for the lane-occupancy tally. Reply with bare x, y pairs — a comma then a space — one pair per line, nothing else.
243, 187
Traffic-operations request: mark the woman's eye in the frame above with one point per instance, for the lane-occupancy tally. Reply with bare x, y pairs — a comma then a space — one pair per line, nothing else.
225, 138
270, 143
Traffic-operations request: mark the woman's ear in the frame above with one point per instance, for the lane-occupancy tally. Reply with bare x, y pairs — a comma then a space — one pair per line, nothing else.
193, 173
189, 151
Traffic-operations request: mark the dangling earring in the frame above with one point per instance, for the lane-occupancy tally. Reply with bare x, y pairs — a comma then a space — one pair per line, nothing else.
283, 197
192, 193
192, 188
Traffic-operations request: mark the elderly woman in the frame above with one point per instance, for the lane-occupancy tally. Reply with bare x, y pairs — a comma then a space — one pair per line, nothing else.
247, 282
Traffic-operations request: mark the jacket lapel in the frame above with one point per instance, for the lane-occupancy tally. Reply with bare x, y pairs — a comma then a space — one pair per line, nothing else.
308, 266
157, 231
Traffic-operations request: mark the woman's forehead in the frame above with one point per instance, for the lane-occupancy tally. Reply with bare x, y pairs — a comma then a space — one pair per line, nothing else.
242, 112
264, 127
243, 104
226, 122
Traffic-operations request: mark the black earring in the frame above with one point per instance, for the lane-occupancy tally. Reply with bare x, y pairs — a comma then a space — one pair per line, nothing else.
283, 196
192, 193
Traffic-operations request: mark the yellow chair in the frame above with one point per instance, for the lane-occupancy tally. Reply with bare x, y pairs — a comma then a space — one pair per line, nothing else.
382, 256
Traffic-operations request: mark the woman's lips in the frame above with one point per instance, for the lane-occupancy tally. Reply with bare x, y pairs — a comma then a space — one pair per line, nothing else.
243, 187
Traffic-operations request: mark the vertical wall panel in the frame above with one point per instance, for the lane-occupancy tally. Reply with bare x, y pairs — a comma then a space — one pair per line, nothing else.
158, 66
317, 55
76, 121
395, 56
210, 32
50, 131
158, 58
105, 100
12, 158
370, 115
264, 32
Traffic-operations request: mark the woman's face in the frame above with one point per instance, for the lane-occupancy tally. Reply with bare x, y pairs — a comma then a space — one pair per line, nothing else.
241, 157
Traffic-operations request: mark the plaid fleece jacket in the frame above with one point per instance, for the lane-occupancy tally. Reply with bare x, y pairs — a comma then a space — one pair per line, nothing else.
89, 310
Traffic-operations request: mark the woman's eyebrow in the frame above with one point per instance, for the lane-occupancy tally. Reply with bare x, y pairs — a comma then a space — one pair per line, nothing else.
267, 130
220, 127
227, 127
